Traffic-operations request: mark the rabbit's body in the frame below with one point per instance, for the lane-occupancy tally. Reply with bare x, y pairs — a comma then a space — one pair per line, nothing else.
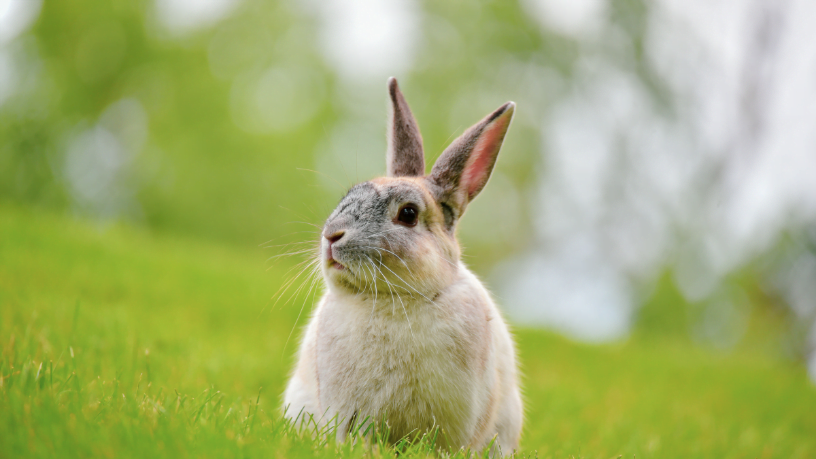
405, 332
453, 367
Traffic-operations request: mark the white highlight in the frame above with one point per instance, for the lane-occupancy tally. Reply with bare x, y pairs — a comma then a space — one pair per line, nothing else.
278, 99
368, 39
705, 189
98, 160
574, 17
183, 16
16, 16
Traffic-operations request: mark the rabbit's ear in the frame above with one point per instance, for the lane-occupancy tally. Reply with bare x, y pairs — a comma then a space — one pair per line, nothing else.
405, 156
464, 167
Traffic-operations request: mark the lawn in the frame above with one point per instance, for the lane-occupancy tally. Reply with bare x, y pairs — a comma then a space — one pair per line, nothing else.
119, 342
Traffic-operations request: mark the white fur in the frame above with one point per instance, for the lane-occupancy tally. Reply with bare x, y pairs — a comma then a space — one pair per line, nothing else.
449, 362
434, 352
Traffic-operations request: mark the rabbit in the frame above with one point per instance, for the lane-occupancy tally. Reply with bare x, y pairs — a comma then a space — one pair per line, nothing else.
405, 333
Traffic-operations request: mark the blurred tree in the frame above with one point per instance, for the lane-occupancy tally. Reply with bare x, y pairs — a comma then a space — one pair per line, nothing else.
660, 153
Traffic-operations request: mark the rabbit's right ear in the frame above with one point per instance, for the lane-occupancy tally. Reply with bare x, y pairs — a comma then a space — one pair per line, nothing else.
405, 156
464, 167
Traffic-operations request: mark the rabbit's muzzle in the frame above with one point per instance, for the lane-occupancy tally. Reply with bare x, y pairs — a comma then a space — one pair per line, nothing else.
342, 250
331, 239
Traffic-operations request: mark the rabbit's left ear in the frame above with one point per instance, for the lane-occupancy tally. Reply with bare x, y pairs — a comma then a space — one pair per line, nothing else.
405, 156
464, 167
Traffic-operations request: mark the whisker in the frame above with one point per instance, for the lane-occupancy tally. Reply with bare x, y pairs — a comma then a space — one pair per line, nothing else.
303, 265
272, 246
392, 253
405, 311
291, 254
407, 284
297, 319
342, 187
285, 235
400, 278
304, 223
374, 283
285, 287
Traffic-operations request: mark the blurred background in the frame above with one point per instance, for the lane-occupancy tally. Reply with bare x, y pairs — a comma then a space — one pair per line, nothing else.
659, 176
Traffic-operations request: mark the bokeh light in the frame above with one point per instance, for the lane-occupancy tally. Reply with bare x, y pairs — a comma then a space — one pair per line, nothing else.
656, 143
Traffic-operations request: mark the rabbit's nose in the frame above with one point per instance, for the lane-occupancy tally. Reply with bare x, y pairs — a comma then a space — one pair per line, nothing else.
336, 236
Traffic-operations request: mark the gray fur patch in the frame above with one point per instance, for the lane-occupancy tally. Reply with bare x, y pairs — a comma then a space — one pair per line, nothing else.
366, 216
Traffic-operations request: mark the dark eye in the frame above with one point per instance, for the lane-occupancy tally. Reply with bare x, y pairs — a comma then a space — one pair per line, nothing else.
408, 214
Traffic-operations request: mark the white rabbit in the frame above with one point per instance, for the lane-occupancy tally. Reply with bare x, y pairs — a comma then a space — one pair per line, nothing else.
405, 331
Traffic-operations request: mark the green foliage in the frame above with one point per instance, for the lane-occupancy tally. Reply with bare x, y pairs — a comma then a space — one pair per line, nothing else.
119, 342
152, 338
203, 169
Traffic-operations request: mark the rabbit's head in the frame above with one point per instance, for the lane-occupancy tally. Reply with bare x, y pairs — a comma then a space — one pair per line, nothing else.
397, 234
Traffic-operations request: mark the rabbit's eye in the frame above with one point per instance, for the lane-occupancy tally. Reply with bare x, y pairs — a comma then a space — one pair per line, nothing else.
407, 215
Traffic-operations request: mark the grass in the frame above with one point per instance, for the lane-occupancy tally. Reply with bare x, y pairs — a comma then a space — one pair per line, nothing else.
117, 342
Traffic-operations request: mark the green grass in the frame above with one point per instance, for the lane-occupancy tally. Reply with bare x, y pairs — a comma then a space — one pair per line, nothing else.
117, 342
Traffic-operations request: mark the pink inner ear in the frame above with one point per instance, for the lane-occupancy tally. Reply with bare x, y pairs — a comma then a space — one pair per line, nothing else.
477, 169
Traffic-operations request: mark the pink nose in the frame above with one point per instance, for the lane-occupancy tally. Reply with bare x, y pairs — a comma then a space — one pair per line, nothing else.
335, 237
332, 239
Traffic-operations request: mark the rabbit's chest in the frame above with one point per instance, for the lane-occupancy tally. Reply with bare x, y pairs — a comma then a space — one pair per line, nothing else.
414, 374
